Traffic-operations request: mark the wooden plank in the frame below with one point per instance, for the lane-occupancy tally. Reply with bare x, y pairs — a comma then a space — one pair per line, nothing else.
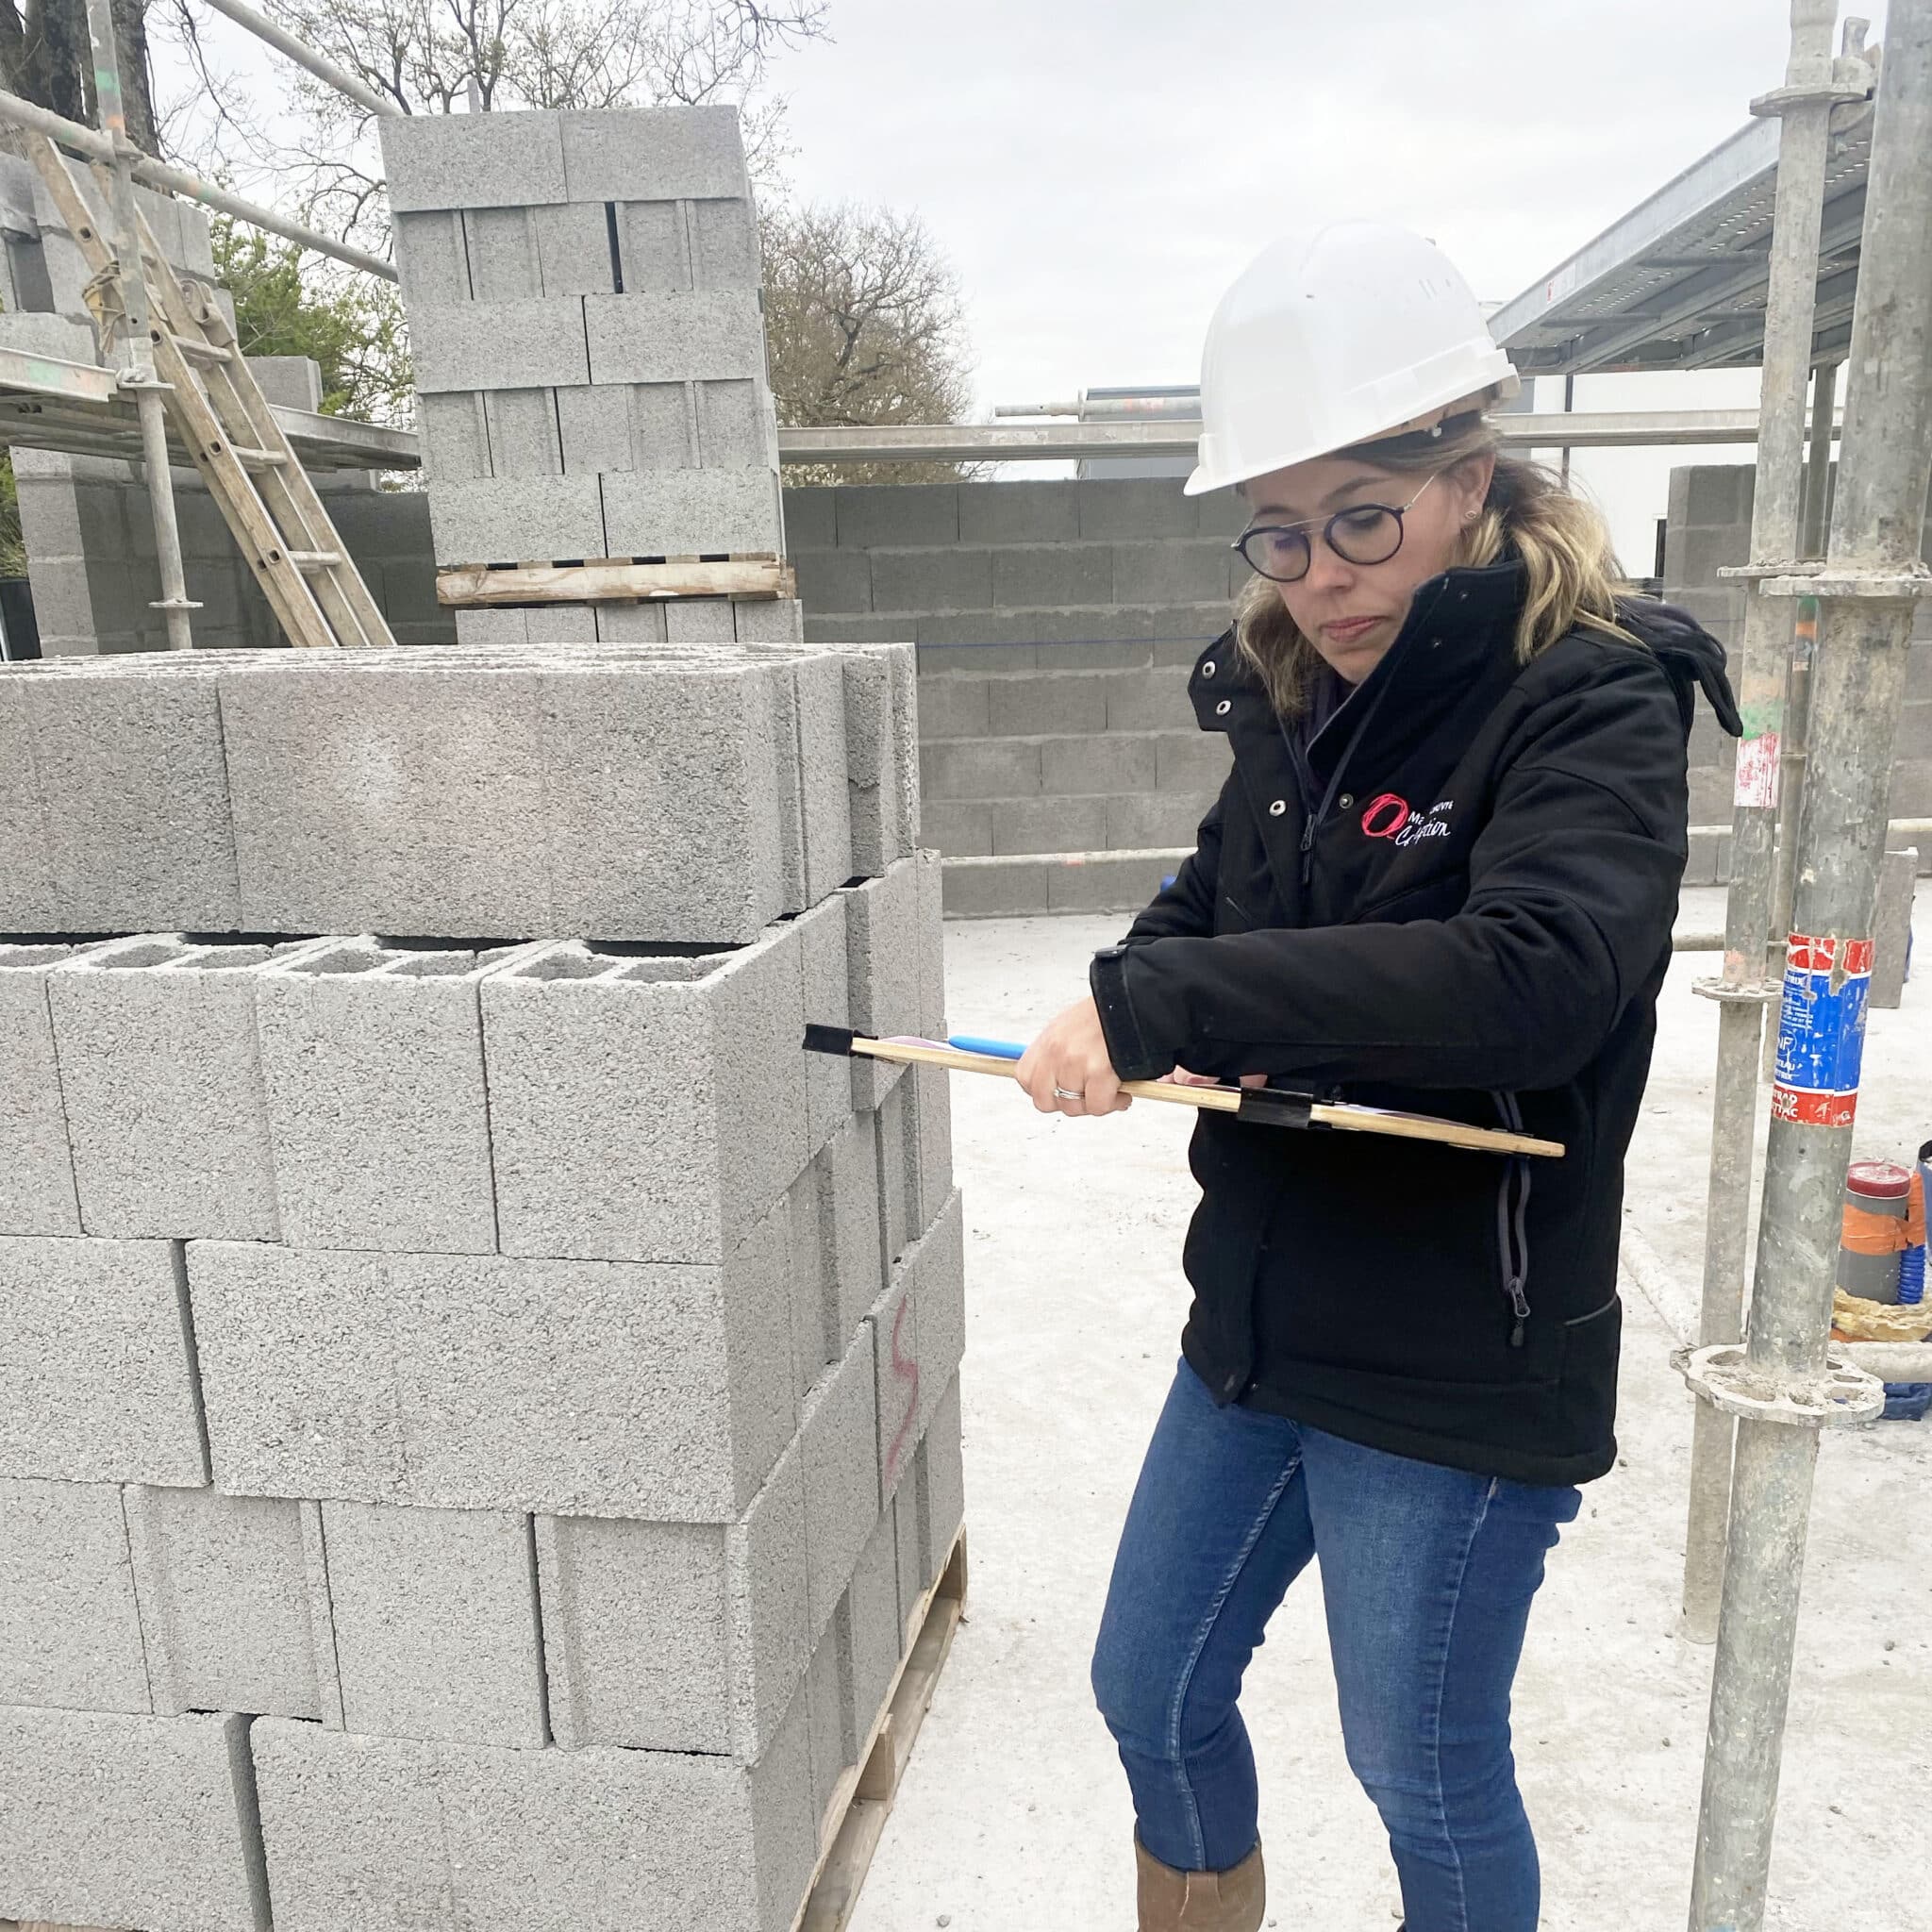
862, 1800
470, 585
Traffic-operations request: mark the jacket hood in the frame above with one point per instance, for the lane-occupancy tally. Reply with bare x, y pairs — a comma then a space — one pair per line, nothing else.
1692, 658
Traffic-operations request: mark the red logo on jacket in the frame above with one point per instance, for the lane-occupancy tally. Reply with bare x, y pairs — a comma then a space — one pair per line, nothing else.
1386, 816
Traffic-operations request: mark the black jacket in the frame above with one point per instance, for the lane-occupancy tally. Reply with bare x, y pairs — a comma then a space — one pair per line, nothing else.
1456, 900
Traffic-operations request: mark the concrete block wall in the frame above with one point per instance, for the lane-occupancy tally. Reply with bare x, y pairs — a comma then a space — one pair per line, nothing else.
1056, 624
443, 1376
1710, 530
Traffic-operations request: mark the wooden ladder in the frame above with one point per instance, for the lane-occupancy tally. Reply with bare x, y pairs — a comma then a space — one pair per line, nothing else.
251, 469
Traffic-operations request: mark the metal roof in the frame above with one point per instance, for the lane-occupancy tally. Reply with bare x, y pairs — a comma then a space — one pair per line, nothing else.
1679, 281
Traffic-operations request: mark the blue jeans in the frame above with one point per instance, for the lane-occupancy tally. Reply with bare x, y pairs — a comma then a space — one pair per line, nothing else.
1427, 1578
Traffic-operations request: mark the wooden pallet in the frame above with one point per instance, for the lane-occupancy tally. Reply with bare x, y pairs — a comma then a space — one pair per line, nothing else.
862, 1800
614, 580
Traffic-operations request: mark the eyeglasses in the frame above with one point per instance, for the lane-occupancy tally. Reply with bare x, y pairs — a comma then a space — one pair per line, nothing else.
1364, 533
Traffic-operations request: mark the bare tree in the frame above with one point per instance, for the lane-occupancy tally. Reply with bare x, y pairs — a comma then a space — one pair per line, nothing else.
45, 57
865, 326
441, 56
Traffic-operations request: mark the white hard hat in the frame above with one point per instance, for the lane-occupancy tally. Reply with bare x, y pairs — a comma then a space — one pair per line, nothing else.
1334, 336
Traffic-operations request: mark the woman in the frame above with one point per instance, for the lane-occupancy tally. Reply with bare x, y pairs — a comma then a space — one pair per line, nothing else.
1441, 876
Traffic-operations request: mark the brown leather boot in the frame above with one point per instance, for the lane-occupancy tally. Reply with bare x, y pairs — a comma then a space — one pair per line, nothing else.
1171, 1901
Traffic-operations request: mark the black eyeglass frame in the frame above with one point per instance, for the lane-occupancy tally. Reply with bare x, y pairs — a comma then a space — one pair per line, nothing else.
1327, 528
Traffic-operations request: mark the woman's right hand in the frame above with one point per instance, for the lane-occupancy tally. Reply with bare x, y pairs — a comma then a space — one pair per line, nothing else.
1181, 1077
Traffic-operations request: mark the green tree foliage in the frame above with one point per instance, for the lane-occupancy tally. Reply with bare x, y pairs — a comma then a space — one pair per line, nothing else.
290, 303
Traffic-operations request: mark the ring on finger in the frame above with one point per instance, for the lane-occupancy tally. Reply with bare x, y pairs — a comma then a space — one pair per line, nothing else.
1065, 1093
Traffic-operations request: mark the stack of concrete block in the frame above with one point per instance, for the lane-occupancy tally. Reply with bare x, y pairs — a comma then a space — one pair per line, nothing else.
583, 292
632, 793
478, 1418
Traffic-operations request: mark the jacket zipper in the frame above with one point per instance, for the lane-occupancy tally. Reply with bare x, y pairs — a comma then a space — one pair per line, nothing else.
1314, 816
1512, 1219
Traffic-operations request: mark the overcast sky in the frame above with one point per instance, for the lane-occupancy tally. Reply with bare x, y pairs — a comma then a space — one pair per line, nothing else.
1098, 170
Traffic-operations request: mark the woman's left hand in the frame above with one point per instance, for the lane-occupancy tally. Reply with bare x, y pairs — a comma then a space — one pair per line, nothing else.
1067, 1070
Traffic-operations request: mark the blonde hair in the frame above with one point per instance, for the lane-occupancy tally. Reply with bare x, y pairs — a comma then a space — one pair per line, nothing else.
1571, 574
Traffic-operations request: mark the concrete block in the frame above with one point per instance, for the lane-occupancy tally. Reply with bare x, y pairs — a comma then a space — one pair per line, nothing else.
357, 788
930, 1099
1097, 764
812, 691
1197, 764
838, 1444
883, 960
893, 1326
724, 242
904, 1514
289, 382
523, 438
1717, 492
873, 516
1048, 703
134, 835
501, 243
630, 623
941, 1287
462, 160
677, 1637
574, 252
371, 1062
630, 154
1049, 824
535, 343
1113, 508
810, 520
1029, 576
562, 624
738, 424
628, 426
808, 1273
1019, 512
983, 768
1145, 822
129, 1821
227, 1602
829, 1716
502, 623
948, 580
932, 943
986, 888
390, 1835
654, 246
161, 1080
852, 1225
36, 1168
1153, 701
823, 942
954, 708
834, 580
645, 1110
577, 1388
1171, 573
698, 620
517, 519
897, 1192
692, 513
97, 1381
702, 335
70, 1636
771, 620
435, 1623
878, 1629
1110, 882
942, 1485
432, 258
